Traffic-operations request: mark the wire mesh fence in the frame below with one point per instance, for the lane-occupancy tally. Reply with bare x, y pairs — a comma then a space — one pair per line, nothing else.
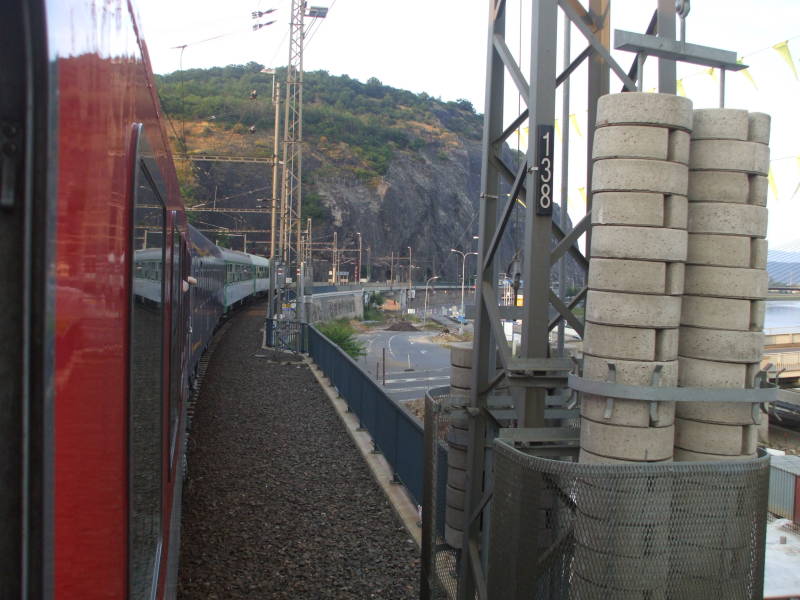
285, 334
442, 509
677, 531
446, 437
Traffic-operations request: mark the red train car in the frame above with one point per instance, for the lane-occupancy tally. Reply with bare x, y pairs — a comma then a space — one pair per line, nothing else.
95, 261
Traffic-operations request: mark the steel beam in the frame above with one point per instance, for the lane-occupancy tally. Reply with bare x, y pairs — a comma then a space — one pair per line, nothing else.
599, 43
676, 51
598, 85
665, 27
539, 203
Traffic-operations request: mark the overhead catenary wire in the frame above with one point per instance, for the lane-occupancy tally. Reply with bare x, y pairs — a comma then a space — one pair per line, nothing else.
182, 47
215, 37
239, 194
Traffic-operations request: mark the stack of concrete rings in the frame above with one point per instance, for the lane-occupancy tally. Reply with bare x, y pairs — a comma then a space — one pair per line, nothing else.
636, 272
461, 370
457, 441
457, 438
722, 319
460, 386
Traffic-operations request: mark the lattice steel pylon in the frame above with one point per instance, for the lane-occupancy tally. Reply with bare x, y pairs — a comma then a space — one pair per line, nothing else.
291, 238
535, 373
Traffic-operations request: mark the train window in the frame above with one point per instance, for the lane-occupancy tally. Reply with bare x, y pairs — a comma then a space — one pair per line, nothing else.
146, 359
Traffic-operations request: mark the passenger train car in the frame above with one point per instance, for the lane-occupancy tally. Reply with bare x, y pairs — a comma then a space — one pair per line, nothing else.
108, 298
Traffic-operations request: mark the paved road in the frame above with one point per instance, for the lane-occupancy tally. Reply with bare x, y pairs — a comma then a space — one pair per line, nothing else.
414, 363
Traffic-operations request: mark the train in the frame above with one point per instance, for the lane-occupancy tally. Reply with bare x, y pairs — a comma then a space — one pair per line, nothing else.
109, 298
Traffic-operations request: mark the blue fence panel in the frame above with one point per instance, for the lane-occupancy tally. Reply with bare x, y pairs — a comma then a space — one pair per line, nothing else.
395, 432
369, 410
410, 453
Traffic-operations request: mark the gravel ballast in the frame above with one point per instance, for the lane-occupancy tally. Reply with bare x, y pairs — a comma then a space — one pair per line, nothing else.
278, 502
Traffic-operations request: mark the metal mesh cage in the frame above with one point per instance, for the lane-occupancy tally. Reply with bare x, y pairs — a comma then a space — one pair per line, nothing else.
675, 531
440, 563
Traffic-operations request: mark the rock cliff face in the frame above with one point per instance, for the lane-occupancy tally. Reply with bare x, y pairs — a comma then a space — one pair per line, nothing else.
427, 200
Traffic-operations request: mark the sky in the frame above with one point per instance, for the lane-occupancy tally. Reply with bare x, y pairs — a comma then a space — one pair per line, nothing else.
439, 47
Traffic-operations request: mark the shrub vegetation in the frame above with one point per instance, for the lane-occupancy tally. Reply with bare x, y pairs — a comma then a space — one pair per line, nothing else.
341, 333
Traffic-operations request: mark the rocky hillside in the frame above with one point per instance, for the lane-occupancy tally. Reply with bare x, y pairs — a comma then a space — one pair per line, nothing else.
402, 169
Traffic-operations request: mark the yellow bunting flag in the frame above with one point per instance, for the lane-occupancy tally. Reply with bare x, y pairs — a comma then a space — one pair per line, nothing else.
573, 119
522, 134
712, 72
681, 90
557, 125
746, 73
582, 191
772, 185
783, 50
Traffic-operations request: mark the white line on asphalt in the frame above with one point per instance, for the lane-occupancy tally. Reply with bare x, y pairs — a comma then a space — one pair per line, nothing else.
408, 389
407, 379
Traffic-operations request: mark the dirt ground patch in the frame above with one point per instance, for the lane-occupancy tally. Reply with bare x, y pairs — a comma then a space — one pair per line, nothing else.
401, 326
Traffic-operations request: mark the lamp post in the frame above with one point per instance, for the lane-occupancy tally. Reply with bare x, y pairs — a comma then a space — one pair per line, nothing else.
464, 256
409, 267
358, 273
425, 310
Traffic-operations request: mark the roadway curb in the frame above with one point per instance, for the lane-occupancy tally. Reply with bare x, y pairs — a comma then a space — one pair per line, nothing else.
377, 464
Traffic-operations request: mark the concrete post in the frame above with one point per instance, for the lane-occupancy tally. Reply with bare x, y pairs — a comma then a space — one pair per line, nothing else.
722, 320
633, 308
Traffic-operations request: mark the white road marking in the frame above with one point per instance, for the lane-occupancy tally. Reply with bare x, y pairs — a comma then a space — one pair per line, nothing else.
409, 389
390, 346
405, 380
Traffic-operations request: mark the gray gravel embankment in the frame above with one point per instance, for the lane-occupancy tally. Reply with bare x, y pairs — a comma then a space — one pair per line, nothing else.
278, 502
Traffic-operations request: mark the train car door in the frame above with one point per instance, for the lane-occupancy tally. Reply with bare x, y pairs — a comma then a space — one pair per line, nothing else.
27, 302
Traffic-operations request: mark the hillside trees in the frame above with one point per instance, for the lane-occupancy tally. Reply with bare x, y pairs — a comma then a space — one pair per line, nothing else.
372, 118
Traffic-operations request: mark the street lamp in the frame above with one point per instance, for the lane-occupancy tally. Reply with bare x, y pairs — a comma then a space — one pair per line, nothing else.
409, 268
358, 275
464, 256
425, 311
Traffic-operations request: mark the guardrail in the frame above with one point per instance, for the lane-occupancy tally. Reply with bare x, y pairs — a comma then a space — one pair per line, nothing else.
395, 432
783, 361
